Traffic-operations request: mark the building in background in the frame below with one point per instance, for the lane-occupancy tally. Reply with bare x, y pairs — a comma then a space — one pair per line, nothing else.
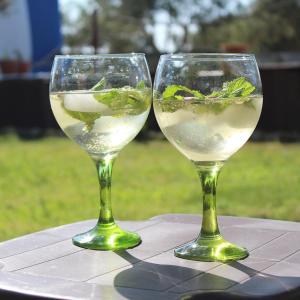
30, 35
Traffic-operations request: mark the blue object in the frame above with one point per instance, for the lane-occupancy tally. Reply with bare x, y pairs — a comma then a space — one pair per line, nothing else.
46, 36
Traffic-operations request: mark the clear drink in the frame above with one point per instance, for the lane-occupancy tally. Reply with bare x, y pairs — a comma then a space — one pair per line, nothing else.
101, 102
207, 105
208, 130
100, 128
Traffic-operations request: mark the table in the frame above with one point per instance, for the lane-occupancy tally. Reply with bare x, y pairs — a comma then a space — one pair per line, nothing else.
47, 264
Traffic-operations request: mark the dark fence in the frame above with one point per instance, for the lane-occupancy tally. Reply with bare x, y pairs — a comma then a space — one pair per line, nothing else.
25, 103
281, 87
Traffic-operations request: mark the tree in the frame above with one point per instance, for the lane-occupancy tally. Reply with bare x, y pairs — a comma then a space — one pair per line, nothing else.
129, 25
122, 26
4, 4
189, 25
267, 26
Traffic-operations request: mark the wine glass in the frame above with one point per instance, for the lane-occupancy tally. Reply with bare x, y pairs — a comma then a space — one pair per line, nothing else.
101, 102
207, 106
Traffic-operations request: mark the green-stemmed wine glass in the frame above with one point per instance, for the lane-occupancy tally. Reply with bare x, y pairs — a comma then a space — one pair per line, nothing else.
207, 105
101, 102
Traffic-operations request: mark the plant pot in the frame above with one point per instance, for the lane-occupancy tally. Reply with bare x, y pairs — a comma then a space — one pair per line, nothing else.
235, 47
9, 66
23, 66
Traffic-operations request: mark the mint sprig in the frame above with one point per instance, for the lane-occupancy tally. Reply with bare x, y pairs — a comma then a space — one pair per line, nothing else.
128, 100
171, 91
238, 88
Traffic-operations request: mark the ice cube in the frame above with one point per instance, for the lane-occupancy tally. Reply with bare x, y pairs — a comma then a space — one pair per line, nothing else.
85, 103
196, 137
242, 115
170, 119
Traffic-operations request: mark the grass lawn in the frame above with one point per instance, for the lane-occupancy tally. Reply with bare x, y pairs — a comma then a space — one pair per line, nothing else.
49, 182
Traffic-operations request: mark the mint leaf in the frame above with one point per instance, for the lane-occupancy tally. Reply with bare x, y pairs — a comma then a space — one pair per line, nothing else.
171, 90
238, 87
141, 85
236, 90
110, 98
88, 118
100, 85
125, 100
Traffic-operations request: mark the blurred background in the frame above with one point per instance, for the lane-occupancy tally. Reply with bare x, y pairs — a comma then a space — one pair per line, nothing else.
32, 32
41, 171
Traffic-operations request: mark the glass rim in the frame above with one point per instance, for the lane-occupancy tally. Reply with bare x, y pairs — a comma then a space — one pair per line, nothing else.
208, 56
97, 56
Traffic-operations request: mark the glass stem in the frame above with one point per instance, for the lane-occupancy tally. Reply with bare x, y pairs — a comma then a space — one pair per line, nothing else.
104, 170
208, 173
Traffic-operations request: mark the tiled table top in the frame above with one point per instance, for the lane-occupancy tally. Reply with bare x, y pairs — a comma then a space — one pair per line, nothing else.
47, 264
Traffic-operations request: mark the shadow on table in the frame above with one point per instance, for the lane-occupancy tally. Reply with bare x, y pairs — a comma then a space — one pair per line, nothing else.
160, 278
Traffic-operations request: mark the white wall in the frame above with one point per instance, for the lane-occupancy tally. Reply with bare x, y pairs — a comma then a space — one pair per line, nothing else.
15, 32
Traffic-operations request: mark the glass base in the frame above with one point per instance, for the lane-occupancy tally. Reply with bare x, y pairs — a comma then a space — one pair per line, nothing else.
215, 249
107, 237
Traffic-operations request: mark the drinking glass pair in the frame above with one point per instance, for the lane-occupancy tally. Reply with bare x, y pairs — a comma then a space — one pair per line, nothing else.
207, 105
